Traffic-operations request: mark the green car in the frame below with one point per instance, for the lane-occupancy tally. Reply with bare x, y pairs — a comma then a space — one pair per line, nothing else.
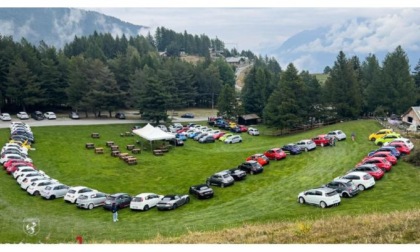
387, 138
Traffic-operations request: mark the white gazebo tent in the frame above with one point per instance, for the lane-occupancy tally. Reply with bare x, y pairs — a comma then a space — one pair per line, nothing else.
151, 133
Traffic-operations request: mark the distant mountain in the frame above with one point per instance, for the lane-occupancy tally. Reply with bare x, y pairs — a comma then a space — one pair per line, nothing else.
57, 26
315, 49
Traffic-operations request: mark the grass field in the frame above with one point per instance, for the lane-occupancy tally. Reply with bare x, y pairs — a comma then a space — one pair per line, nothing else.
262, 199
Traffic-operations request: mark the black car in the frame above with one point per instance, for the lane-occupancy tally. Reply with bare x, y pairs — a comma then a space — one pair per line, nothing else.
121, 199
120, 115
37, 115
176, 142
187, 115
292, 149
237, 174
344, 187
202, 191
251, 167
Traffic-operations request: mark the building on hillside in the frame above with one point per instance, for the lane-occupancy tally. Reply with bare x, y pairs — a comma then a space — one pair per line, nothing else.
236, 61
249, 119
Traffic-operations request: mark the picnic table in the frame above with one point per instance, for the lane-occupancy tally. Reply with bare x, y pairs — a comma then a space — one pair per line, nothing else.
130, 146
95, 135
115, 148
99, 150
158, 152
115, 153
90, 145
109, 143
136, 151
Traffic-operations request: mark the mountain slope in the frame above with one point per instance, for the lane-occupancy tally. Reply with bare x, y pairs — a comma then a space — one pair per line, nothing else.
57, 26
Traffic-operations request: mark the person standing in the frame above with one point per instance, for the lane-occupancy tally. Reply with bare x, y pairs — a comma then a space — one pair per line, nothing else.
353, 136
114, 212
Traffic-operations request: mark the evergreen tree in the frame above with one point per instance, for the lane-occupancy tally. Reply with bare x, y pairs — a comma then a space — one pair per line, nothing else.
227, 103
416, 77
371, 83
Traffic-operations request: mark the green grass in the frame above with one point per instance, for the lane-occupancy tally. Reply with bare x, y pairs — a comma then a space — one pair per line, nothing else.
264, 198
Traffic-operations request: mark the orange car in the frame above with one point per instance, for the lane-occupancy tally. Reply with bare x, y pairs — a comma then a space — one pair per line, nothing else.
260, 158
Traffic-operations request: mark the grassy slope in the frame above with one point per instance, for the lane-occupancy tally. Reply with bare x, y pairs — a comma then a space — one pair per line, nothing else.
265, 198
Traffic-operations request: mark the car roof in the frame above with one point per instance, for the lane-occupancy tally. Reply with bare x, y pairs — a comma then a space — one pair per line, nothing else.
366, 165
342, 180
222, 172
358, 173
119, 194
145, 194
325, 189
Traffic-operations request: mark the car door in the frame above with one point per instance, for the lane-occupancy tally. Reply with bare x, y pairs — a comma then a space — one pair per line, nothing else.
153, 199
310, 197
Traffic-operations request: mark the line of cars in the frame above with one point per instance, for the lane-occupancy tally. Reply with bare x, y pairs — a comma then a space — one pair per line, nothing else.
365, 174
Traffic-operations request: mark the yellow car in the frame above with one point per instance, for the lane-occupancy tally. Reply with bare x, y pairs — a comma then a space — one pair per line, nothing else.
379, 134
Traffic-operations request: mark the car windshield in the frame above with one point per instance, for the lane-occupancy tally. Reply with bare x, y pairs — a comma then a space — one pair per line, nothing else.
167, 199
112, 198
226, 175
331, 193
47, 188
83, 197
348, 184
71, 191
138, 199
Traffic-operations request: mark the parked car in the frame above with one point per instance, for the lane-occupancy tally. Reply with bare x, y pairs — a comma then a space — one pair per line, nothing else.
379, 134
383, 154
387, 138
145, 201
275, 153
253, 131
207, 139
306, 145
5, 117
338, 134
323, 197
30, 174
362, 180
90, 200
37, 115
187, 115
22, 115
225, 136
54, 191
380, 162
120, 115
251, 167
50, 115
122, 200
176, 142
346, 188
236, 173
322, 140
401, 147
36, 186
202, 191
13, 167
291, 149
219, 135
21, 170
260, 158
390, 149
371, 169
6, 157
74, 115
403, 140
172, 202
26, 182
221, 179
74, 192
233, 139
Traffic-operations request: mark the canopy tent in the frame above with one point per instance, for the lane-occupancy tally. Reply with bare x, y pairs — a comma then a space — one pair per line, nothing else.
151, 133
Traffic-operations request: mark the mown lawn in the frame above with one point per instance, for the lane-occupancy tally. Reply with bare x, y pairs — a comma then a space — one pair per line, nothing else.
264, 198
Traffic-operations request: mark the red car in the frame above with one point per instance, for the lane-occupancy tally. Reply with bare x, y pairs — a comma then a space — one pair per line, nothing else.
218, 135
380, 162
243, 128
383, 154
12, 161
401, 147
275, 153
12, 168
260, 158
321, 140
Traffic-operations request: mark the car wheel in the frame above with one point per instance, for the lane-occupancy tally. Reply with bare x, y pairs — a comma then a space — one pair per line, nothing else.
75, 201
187, 200
240, 141
175, 206
373, 139
322, 144
52, 197
208, 183
36, 193
380, 144
322, 204
90, 206
301, 200
251, 172
146, 207
222, 185
361, 187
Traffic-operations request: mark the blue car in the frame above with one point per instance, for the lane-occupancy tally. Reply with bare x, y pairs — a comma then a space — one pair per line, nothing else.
181, 137
291, 149
194, 134
390, 149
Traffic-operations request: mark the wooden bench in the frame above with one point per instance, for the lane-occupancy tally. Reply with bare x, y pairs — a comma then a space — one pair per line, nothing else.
109, 143
158, 152
90, 145
115, 148
95, 135
136, 151
122, 155
99, 150
131, 161
115, 153
130, 146
125, 158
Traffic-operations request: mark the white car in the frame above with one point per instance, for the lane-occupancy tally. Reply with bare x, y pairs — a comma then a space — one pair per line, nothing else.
22, 169
28, 181
54, 191
29, 174
162, 127
22, 115
233, 139
6, 157
403, 140
5, 117
90, 200
362, 180
322, 197
306, 145
38, 185
253, 131
74, 192
50, 115
340, 135
16, 147
145, 201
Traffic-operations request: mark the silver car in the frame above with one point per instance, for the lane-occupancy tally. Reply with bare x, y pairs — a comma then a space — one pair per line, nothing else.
54, 191
306, 145
91, 199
